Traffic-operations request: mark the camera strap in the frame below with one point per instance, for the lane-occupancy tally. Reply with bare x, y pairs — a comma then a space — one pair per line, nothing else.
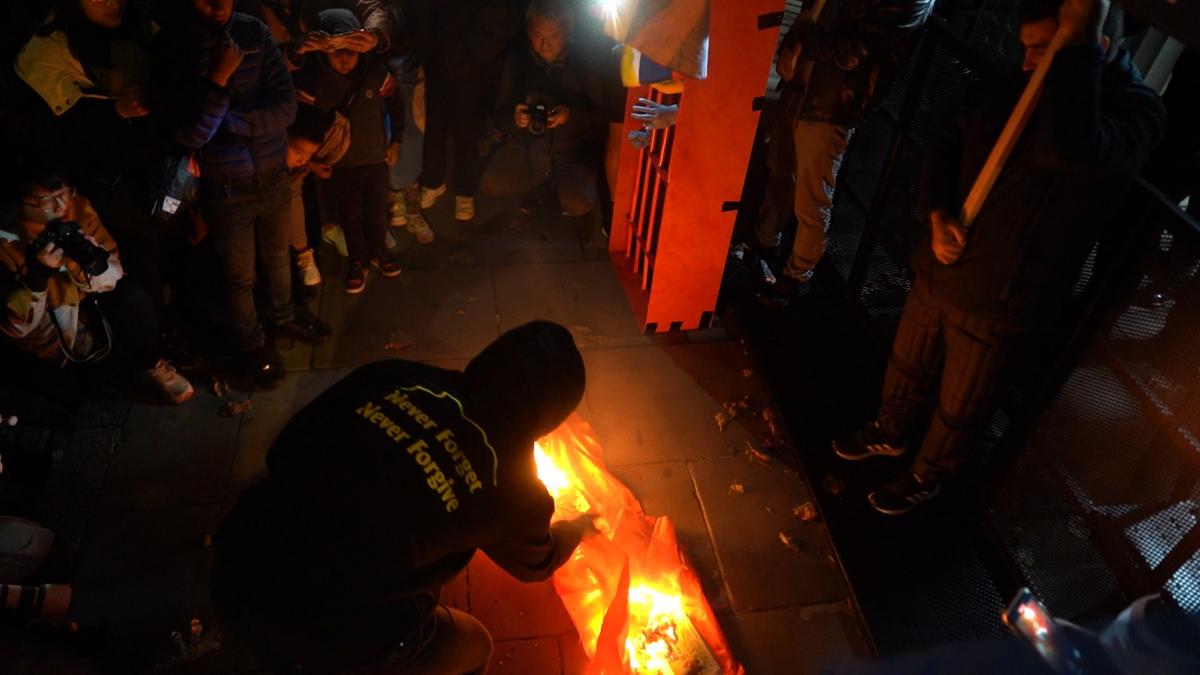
96, 354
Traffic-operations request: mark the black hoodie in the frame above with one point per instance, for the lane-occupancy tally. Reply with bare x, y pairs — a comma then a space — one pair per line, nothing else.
381, 490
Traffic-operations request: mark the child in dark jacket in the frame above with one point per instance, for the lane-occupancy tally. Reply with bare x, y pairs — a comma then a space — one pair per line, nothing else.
361, 87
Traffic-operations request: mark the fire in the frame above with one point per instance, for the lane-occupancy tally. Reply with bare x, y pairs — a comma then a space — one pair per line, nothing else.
635, 601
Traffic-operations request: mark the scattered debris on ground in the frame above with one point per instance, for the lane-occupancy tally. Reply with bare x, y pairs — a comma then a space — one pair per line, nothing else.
220, 388
747, 373
806, 512
833, 485
397, 340
736, 489
757, 456
236, 408
789, 541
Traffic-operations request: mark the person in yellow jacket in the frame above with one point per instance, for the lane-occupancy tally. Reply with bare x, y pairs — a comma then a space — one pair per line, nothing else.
60, 310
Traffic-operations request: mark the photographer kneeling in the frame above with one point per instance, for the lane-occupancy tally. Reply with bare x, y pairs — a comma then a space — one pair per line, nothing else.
65, 294
550, 116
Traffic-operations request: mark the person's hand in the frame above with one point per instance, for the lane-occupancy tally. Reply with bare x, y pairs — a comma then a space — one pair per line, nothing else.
1082, 20
653, 114
639, 139
131, 103
558, 116
51, 256
360, 41
8, 420
226, 60
785, 61
521, 116
393, 154
313, 41
949, 237
320, 169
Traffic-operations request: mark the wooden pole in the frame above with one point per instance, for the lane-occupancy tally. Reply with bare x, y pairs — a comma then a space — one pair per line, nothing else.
1012, 131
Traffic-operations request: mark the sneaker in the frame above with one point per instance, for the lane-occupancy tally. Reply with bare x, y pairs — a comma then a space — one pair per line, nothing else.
356, 278
173, 386
334, 234
464, 207
304, 327
264, 366
389, 239
903, 493
784, 292
399, 210
306, 262
430, 195
386, 266
419, 228
870, 441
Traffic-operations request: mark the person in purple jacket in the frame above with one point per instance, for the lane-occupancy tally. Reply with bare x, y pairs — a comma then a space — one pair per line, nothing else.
228, 96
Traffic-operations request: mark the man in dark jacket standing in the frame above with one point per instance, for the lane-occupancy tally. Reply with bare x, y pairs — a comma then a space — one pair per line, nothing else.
980, 297
380, 491
229, 97
836, 67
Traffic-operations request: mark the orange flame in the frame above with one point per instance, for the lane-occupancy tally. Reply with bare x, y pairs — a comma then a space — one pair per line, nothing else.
635, 601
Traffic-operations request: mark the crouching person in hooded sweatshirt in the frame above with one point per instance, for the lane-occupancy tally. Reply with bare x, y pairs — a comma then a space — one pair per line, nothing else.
66, 298
380, 491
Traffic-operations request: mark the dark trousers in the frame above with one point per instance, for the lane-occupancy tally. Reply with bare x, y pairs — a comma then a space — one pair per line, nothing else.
360, 198
134, 321
248, 219
455, 111
973, 354
524, 163
139, 236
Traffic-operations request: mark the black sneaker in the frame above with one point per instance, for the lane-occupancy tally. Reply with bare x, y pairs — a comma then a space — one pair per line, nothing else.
870, 441
903, 493
305, 327
264, 366
784, 292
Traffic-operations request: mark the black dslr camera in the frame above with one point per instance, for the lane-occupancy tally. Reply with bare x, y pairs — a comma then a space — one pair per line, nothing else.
539, 117
67, 236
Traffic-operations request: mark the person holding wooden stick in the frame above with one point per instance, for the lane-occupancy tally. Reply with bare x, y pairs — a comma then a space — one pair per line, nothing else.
1011, 224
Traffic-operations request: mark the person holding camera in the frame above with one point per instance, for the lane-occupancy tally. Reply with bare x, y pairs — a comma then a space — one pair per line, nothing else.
66, 295
548, 107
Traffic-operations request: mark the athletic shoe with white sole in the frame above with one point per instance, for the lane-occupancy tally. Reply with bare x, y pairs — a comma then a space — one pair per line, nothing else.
334, 234
399, 210
430, 195
419, 228
464, 207
306, 262
173, 386
903, 494
870, 441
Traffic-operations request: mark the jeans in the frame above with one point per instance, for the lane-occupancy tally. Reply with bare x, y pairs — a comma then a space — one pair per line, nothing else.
297, 235
408, 169
460, 645
973, 354
803, 160
524, 163
249, 219
360, 196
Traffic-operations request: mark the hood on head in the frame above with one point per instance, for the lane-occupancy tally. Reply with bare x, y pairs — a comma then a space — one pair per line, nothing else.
526, 383
338, 21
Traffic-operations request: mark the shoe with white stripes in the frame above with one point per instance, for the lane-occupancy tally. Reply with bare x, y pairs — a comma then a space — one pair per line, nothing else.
904, 493
868, 442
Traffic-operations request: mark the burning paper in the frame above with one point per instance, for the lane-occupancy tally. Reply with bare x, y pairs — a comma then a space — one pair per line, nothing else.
631, 593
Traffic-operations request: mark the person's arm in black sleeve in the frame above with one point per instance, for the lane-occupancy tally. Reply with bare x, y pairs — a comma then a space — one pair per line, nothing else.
1078, 130
508, 95
274, 109
535, 555
847, 47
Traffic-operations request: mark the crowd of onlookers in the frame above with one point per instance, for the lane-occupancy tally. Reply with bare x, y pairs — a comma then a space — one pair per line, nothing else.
180, 161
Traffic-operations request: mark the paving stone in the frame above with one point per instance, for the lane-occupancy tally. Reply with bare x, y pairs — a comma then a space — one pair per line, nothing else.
761, 571
445, 316
173, 455
666, 489
649, 404
794, 640
526, 657
511, 609
108, 408
271, 410
586, 297
74, 488
141, 563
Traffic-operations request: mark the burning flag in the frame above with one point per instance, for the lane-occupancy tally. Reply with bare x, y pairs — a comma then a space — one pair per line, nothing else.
631, 593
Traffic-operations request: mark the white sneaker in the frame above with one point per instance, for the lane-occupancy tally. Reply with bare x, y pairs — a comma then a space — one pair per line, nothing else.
399, 210
419, 228
464, 208
173, 386
430, 195
334, 234
306, 262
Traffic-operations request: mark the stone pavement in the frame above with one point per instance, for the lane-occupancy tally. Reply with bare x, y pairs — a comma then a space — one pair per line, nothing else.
143, 486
